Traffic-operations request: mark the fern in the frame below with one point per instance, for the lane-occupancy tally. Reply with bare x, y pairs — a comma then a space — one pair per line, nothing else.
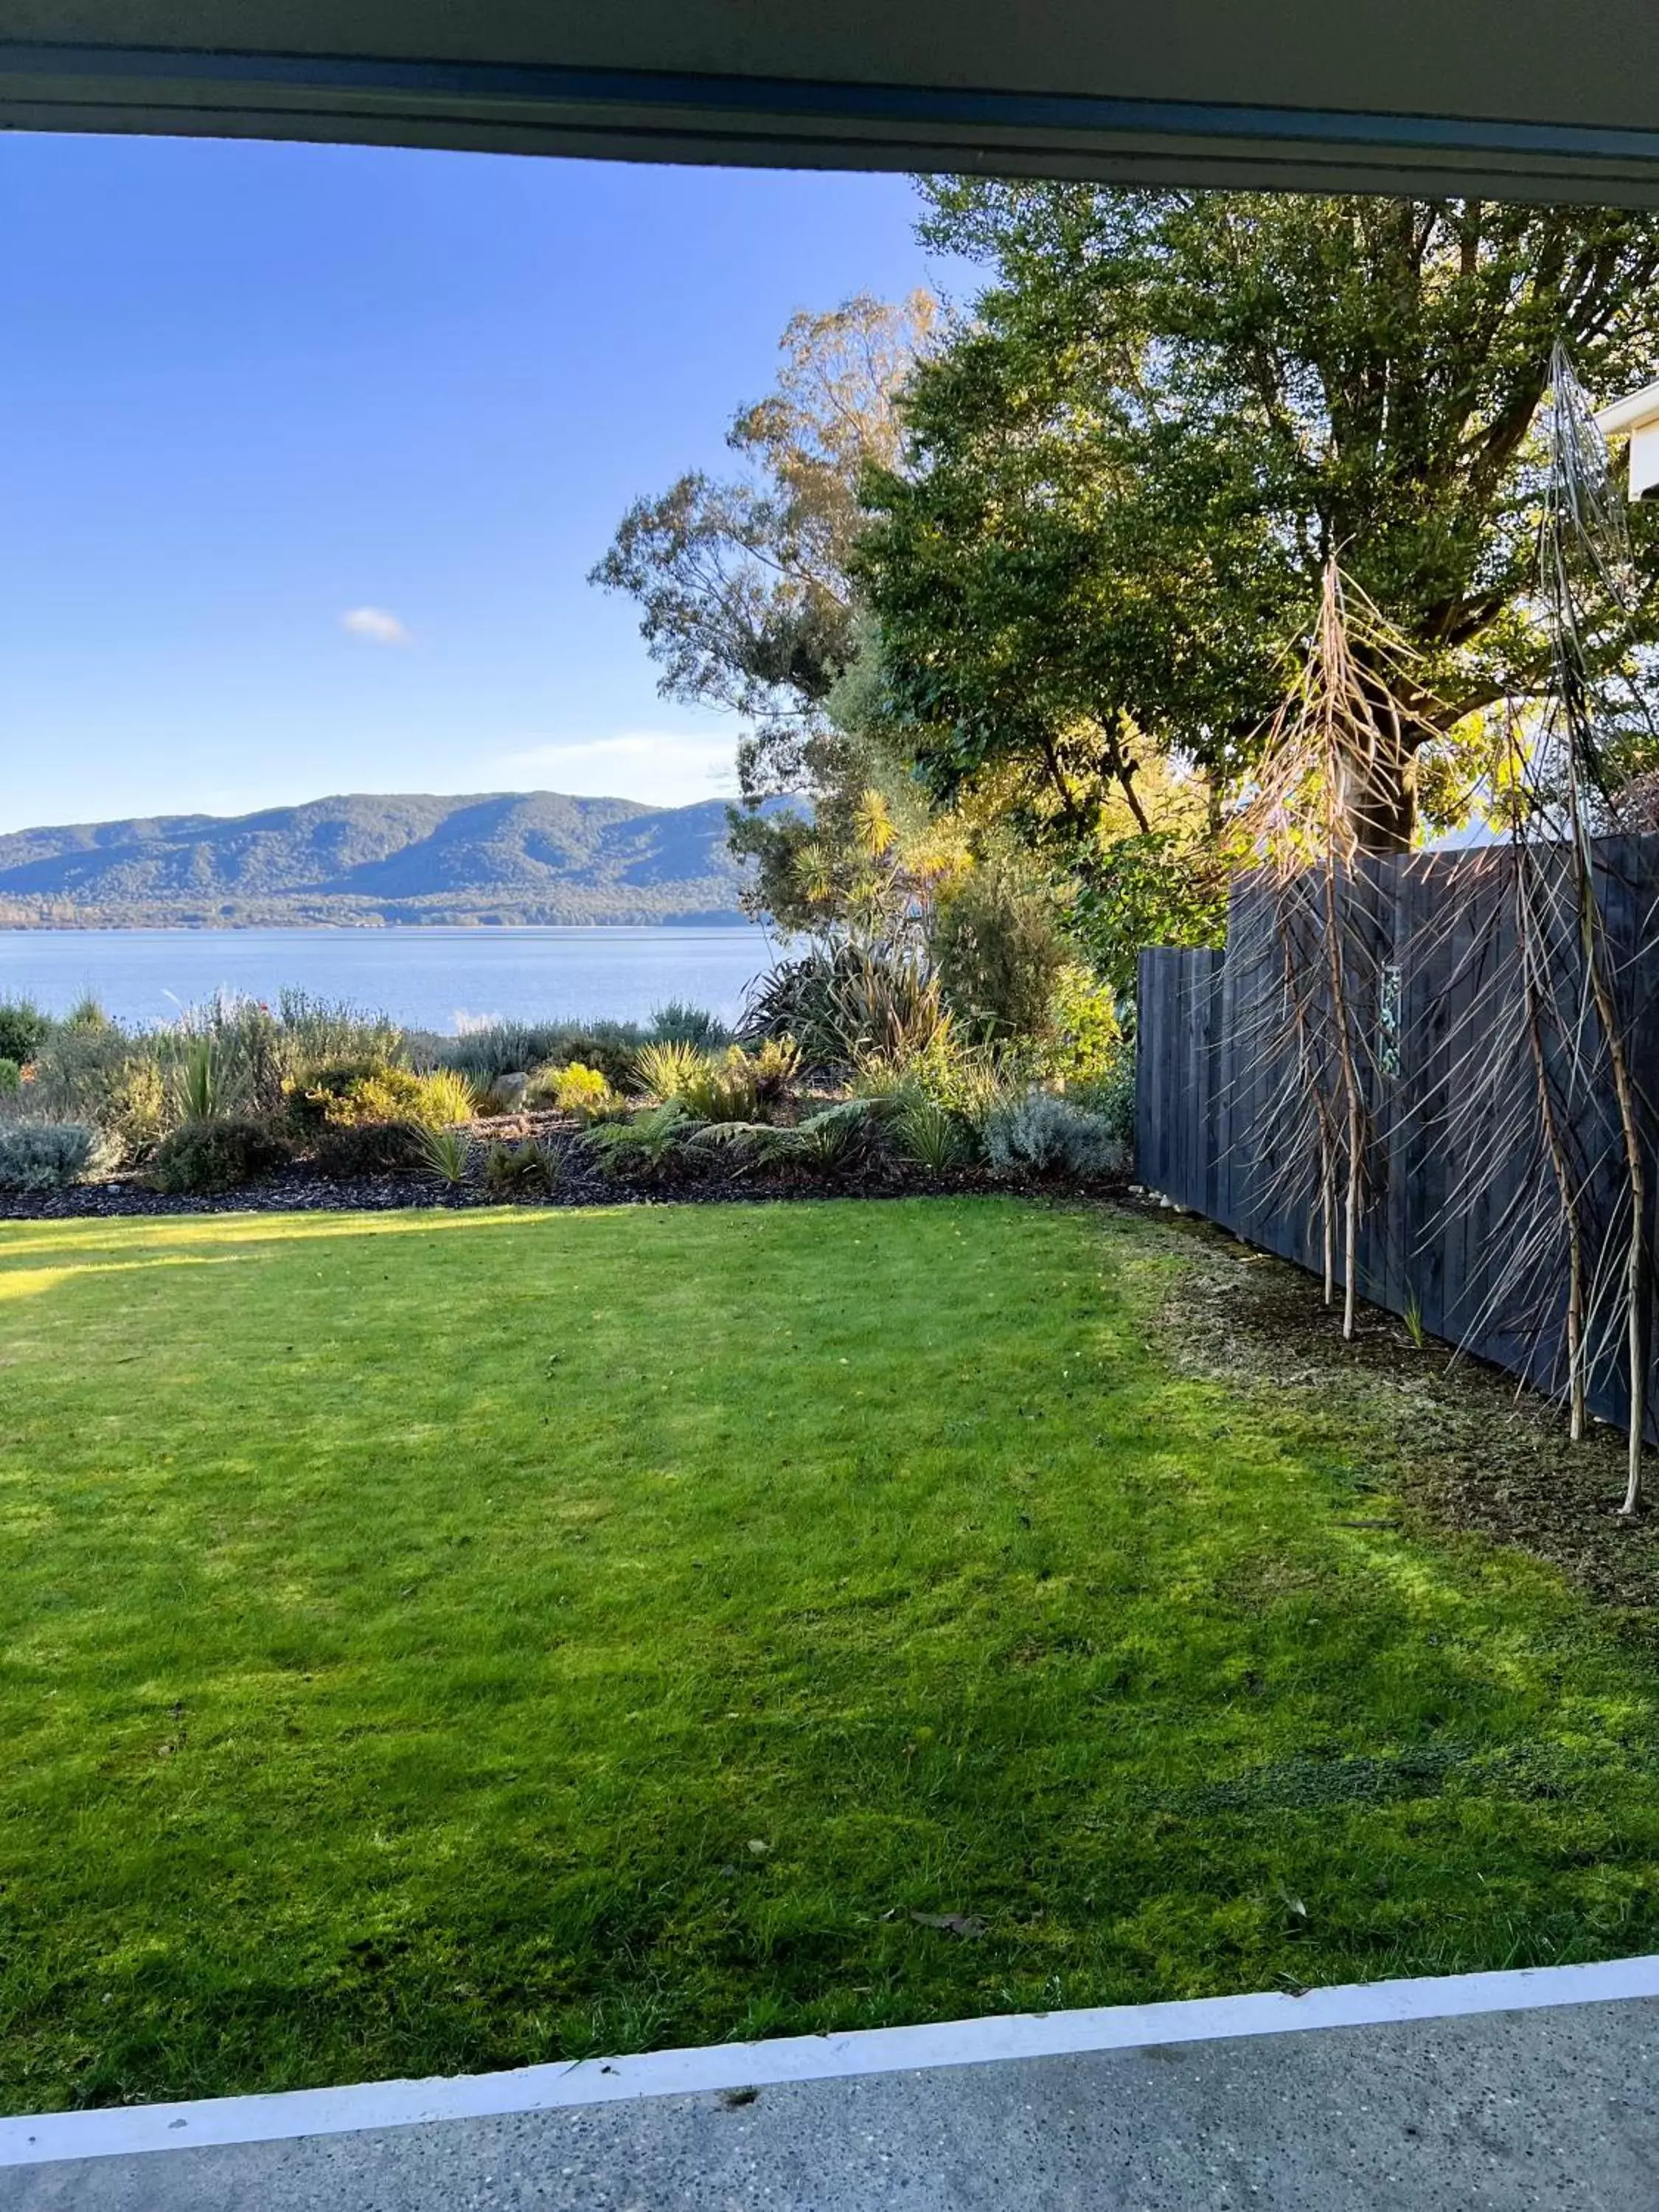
645, 1145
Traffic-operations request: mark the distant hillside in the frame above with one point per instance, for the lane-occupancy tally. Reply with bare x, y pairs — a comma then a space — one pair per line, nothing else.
503, 857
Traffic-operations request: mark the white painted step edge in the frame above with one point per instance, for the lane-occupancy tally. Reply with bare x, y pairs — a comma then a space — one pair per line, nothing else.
121, 2131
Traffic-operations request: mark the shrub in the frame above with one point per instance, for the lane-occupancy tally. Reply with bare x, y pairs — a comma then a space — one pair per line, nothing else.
235, 1055
344, 1151
724, 1087
87, 1016
49, 1155
438, 1100
996, 943
447, 1155
502, 1047
516, 1171
706, 1088
776, 1061
583, 1091
969, 1081
106, 1077
11, 1079
1085, 1038
321, 1100
316, 1032
23, 1030
220, 1153
678, 1024
1113, 1098
1050, 1135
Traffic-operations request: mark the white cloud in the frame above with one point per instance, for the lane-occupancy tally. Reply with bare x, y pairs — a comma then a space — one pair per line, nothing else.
375, 624
663, 768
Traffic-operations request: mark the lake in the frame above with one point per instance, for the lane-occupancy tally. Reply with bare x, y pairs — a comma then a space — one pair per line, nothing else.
430, 979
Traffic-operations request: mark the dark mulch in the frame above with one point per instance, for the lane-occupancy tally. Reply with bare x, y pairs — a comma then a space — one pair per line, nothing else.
1460, 1445
302, 1188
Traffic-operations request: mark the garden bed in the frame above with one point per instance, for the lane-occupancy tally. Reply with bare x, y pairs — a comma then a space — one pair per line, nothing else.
302, 1188
312, 1105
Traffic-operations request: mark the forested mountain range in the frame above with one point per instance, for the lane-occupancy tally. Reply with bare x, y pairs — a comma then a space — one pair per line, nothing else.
533, 856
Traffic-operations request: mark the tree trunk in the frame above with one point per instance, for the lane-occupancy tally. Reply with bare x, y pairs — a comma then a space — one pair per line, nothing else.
1382, 804
1384, 808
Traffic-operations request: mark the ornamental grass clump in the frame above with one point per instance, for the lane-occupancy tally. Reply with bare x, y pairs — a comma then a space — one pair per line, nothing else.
930, 1135
662, 1070
846, 1002
733, 1085
446, 1156
203, 1085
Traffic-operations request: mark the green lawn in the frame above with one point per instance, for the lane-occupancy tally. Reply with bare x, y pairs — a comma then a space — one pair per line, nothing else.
443, 1641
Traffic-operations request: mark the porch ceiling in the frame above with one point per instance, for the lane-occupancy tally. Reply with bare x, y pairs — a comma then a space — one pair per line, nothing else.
1523, 98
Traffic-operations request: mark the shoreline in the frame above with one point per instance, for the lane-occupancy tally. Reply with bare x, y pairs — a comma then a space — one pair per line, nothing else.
705, 923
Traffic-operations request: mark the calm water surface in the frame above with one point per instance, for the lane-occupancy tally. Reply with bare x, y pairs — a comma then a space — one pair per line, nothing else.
433, 979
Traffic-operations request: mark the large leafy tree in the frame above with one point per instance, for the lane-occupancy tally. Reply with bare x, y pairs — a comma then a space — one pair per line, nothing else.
1125, 473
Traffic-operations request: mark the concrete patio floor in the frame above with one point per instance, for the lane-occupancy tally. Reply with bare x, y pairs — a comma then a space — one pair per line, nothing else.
1554, 2108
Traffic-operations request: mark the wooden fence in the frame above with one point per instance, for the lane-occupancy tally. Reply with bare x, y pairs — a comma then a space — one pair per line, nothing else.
1461, 1220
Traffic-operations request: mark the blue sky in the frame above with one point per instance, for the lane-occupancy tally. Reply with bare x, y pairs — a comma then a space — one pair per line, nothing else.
305, 453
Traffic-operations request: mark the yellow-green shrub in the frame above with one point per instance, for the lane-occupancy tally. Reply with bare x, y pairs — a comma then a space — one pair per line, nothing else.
1085, 1040
437, 1100
733, 1085
578, 1089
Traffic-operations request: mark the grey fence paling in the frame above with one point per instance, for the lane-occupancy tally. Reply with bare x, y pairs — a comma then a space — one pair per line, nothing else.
1461, 1217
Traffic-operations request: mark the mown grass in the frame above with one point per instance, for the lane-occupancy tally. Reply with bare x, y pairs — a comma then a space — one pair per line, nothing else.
435, 1642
